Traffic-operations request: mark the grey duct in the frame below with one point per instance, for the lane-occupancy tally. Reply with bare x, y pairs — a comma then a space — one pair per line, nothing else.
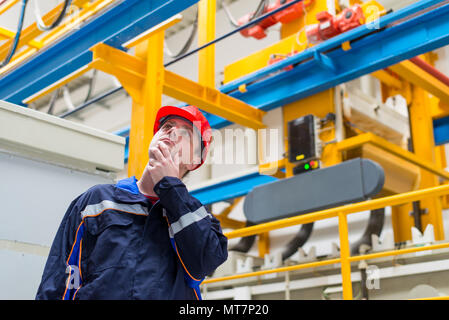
363, 177
315, 190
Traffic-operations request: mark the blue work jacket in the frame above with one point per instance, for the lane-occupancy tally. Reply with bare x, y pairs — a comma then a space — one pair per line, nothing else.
114, 244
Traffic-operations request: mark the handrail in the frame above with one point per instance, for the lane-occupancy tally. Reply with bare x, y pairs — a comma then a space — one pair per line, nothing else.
341, 212
433, 298
346, 209
276, 270
327, 262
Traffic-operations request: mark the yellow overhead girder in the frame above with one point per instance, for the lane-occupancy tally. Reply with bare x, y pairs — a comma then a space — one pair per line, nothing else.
419, 77
131, 71
212, 101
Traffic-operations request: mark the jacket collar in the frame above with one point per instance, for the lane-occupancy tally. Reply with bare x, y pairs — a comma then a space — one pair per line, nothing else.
127, 191
129, 184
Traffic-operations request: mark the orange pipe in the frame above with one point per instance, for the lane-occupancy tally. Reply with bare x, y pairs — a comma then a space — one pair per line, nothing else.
431, 70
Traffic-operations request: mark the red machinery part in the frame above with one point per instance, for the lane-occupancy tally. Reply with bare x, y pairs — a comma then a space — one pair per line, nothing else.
331, 26
285, 16
350, 18
257, 31
276, 58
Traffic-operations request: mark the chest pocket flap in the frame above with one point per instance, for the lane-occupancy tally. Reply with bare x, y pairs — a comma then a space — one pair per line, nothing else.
96, 225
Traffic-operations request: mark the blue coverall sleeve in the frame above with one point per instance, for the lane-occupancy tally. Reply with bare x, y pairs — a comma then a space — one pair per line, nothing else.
61, 277
200, 243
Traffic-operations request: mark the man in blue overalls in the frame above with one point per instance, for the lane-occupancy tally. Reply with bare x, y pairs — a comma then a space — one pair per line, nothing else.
146, 239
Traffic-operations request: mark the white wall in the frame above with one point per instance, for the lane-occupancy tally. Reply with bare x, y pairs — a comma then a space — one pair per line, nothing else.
34, 197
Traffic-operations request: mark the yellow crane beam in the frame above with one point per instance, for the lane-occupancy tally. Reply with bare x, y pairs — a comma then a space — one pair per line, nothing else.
131, 71
419, 77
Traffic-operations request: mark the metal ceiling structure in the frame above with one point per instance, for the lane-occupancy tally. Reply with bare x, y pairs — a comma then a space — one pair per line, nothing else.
401, 35
117, 25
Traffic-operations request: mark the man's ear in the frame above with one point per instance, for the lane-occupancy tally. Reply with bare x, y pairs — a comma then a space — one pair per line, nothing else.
190, 166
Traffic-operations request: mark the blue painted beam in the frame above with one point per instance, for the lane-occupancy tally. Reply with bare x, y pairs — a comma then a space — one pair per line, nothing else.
120, 23
231, 189
441, 131
336, 42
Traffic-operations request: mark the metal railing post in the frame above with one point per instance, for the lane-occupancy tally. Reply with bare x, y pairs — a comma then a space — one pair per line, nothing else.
344, 256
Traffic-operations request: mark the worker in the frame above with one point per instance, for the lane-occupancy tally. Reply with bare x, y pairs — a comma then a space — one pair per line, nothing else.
141, 239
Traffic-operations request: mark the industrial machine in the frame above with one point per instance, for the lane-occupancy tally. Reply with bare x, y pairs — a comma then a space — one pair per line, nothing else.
325, 140
331, 26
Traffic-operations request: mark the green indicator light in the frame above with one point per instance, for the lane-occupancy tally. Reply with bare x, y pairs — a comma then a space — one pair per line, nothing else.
307, 166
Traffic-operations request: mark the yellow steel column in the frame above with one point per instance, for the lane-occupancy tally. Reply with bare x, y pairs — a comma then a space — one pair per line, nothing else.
319, 105
401, 219
440, 152
344, 256
143, 114
264, 244
402, 222
424, 147
206, 33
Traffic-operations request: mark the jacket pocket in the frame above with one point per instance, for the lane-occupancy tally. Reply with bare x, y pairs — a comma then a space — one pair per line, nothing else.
108, 240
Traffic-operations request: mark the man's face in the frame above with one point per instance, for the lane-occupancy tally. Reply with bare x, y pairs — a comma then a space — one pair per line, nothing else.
181, 139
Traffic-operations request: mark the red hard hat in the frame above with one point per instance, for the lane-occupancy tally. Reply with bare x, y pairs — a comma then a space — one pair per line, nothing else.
193, 115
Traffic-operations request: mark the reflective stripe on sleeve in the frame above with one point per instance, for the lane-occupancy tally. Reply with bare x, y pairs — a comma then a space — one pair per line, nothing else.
187, 219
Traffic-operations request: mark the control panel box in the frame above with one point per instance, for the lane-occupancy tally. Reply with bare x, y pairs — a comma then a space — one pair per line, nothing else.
303, 139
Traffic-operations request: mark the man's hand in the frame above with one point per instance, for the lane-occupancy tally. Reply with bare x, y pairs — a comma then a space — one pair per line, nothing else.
162, 164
